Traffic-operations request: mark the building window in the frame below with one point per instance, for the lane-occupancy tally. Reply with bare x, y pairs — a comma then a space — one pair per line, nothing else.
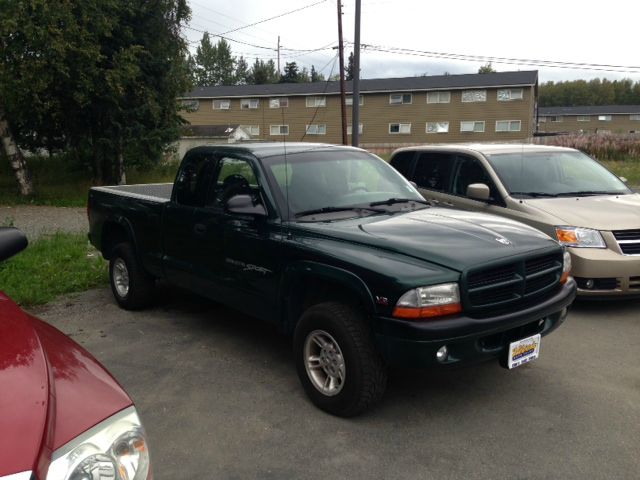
556, 119
349, 100
253, 130
317, 129
279, 130
438, 97
350, 129
437, 127
316, 101
542, 119
399, 128
583, 118
508, 94
221, 104
474, 96
634, 116
249, 103
604, 118
400, 98
508, 125
190, 105
279, 102
473, 126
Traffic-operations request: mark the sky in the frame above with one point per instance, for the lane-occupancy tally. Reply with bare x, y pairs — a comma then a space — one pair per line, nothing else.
404, 38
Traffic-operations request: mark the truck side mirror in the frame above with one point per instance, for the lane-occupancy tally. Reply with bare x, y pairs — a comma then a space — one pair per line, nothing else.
12, 241
245, 205
478, 191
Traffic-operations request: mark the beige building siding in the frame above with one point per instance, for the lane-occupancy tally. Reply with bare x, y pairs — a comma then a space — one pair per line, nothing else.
619, 123
376, 115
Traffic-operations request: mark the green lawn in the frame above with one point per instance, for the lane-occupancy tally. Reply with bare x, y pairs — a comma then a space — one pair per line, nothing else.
51, 266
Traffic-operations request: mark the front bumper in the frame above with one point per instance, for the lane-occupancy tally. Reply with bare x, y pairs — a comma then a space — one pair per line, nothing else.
611, 272
468, 340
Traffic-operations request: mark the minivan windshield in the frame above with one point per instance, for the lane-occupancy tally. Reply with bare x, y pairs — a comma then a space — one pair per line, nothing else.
554, 174
340, 181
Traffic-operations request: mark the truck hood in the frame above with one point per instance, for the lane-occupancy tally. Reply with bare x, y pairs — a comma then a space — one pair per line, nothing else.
602, 212
455, 239
52, 390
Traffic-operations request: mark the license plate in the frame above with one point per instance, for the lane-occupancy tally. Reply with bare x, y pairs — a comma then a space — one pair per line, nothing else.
523, 351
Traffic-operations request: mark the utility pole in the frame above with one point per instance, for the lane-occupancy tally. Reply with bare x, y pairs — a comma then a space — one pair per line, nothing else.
355, 116
343, 107
278, 55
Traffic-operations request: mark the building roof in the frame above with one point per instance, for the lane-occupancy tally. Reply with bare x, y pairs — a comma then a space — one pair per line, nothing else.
374, 85
589, 110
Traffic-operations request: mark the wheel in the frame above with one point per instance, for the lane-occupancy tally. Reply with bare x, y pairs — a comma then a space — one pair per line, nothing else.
336, 360
131, 286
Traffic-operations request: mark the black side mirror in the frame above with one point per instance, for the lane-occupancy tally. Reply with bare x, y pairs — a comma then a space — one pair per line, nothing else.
246, 205
12, 241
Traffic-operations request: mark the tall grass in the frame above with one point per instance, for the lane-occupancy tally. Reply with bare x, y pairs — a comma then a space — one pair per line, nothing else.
59, 182
603, 146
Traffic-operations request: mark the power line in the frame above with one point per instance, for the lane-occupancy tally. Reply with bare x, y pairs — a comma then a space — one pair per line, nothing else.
273, 18
506, 60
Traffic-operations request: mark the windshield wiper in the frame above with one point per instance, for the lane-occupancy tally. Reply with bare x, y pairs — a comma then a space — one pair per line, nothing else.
304, 213
588, 192
392, 201
535, 194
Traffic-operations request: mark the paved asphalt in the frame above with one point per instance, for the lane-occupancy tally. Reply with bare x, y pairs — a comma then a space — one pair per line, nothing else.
220, 399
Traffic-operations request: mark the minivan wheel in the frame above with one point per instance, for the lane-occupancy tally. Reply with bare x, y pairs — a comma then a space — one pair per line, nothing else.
337, 363
131, 286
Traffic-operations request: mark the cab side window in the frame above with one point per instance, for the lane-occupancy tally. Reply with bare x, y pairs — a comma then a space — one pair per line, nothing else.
235, 177
403, 162
193, 184
433, 171
469, 170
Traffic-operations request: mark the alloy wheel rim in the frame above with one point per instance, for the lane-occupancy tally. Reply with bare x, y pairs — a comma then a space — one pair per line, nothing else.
324, 363
121, 277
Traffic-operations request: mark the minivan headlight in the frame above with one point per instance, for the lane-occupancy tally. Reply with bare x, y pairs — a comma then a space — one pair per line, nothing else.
115, 449
579, 237
429, 302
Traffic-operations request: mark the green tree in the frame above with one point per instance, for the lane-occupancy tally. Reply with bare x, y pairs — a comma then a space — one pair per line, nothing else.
349, 70
315, 76
242, 71
206, 59
291, 73
487, 68
225, 63
263, 72
98, 77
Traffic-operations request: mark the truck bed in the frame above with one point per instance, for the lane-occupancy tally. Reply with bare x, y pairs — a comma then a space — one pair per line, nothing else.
156, 192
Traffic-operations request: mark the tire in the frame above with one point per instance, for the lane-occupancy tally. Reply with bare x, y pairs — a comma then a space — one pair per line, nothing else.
131, 286
337, 363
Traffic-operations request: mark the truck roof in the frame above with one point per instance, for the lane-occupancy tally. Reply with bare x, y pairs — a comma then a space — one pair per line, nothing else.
269, 149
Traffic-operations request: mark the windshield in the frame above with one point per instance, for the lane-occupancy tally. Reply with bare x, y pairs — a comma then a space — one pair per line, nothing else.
558, 173
336, 181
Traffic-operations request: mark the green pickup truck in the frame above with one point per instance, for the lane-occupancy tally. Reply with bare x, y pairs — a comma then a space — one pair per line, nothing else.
343, 254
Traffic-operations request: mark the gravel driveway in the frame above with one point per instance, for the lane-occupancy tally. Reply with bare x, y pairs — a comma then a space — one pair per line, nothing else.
36, 220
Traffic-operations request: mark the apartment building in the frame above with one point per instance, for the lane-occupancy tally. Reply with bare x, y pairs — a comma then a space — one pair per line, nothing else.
590, 119
393, 111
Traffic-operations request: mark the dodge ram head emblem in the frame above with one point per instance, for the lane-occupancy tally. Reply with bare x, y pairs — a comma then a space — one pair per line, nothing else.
503, 241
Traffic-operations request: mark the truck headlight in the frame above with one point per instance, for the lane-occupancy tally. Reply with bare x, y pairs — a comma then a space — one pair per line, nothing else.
428, 302
580, 237
115, 449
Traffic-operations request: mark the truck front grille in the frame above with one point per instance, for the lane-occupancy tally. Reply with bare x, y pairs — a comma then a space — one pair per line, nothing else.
629, 241
515, 284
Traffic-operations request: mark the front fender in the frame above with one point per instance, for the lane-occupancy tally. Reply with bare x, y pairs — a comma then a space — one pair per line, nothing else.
298, 274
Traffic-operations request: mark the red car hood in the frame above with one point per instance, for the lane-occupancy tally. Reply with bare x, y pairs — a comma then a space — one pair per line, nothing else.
51, 390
